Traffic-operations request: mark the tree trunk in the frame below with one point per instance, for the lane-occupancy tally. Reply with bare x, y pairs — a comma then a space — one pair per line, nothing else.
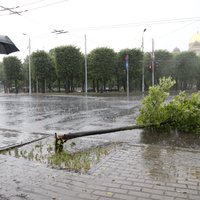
58, 85
97, 85
69, 136
16, 87
198, 85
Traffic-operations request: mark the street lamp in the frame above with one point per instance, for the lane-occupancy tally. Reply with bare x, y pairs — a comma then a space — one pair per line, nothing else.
153, 62
29, 62
143, 60
86, 84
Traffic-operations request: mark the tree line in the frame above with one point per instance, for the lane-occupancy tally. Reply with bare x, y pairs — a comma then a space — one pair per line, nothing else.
63, 69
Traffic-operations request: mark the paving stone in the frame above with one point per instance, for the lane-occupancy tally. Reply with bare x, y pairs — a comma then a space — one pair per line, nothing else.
161, 197
132, 172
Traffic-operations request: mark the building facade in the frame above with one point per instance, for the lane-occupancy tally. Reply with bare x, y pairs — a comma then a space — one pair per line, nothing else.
194, 44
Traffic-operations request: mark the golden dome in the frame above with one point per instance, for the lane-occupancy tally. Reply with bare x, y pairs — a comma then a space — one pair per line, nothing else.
195, 38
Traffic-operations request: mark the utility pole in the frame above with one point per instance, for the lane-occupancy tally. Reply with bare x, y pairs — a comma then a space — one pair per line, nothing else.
127, 74
29, 62
127, 82
143, 60
86, 87
153, 62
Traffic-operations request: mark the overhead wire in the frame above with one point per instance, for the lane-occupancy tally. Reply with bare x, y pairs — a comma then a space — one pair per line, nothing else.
133, 24
31, 3
47, 5
93, 28
15, 10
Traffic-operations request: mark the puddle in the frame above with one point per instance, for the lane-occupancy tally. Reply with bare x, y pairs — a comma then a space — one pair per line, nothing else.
170, 138
71, 158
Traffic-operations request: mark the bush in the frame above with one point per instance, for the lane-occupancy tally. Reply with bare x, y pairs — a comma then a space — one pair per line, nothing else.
182, 113
153, 110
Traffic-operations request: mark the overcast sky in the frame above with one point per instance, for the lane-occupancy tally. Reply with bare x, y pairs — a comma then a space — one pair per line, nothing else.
116, 24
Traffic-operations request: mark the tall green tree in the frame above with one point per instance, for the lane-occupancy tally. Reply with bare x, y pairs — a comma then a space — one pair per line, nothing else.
198, 75
1, 72
69, 61
164, 65
135, 68
187, 65
43, 70
102, 62
13, 72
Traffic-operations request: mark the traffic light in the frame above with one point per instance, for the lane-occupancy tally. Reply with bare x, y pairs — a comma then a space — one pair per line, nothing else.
149, 67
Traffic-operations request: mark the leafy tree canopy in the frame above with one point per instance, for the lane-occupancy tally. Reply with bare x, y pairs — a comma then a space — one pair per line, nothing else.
182, 113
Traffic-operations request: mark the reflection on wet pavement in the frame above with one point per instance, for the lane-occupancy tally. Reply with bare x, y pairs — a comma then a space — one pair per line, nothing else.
72, 158
147, 155
170, 138
168, 163
25, 117
9, 138
49, 114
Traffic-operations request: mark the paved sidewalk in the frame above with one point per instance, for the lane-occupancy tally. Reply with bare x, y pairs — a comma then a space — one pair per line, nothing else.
132, 172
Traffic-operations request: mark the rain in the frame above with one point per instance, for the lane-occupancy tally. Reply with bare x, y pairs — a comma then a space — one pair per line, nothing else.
25, 118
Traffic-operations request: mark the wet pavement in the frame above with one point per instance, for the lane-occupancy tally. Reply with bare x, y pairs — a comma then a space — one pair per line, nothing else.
33, 116
132, 172
144, 165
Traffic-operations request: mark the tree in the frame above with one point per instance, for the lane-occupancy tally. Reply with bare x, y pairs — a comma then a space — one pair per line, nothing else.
69, 62
163, 66
181, 113
101, 62
187, 65
153, 110
135, 68
43, 69
2, 76
13, 72
198, 75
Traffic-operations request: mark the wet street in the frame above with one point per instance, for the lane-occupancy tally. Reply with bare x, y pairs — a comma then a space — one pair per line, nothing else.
142, 165
24, 117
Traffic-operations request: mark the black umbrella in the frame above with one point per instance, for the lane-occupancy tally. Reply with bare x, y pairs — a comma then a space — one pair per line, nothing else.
6, 45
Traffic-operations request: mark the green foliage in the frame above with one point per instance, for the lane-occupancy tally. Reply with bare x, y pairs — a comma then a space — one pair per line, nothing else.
135, 68
43, 68
64, 66
13, 71
69, 65
101, 63
42, 65
153, 110
182, 113
163, 65
2, 76
187, 65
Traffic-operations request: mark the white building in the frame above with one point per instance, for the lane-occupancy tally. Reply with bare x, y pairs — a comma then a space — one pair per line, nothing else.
194, 44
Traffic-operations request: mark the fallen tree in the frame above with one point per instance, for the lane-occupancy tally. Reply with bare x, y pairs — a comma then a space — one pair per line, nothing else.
61, 139
181, 113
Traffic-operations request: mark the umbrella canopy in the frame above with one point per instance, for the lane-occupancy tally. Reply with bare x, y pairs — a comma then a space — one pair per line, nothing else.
6, 45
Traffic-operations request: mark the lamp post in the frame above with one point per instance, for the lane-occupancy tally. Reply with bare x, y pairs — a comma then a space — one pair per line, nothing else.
29, 62
86, 86
127, 74
143, 60
153, 62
